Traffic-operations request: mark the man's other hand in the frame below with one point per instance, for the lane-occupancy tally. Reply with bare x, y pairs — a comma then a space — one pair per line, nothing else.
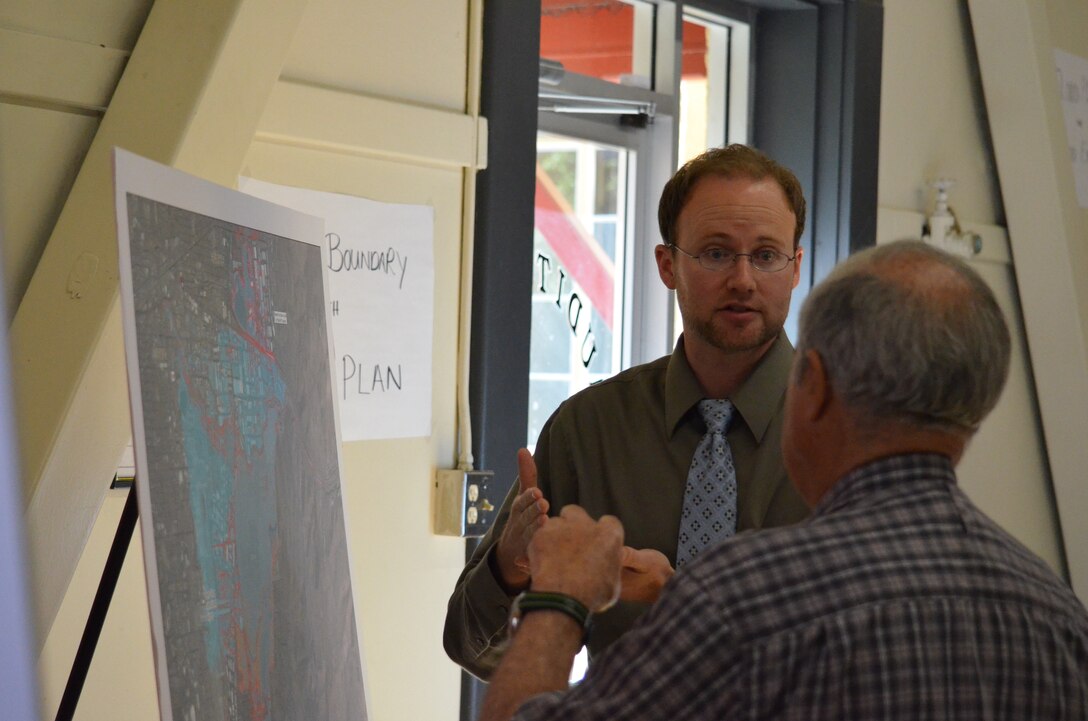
528, 513
575, 555
643, 574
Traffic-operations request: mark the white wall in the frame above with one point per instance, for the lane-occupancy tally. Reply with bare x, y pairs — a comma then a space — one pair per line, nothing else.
935, 122
1047, 232
931, 122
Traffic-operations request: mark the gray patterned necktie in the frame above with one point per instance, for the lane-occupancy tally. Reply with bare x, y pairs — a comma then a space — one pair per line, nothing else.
710, 498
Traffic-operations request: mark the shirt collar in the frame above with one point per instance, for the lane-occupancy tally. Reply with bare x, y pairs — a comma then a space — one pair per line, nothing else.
756, 400
895, 473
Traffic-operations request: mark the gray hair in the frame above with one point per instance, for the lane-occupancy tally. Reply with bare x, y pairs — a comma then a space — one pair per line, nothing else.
911, 334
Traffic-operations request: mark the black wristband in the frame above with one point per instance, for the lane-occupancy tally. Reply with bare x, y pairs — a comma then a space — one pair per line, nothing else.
545, 600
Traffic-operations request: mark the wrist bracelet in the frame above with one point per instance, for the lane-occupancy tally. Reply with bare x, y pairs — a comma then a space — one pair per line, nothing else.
549, 601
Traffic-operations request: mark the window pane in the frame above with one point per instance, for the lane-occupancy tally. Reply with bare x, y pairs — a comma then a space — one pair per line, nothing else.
607, 167
693, 91
559, 166
578, 257
590, 37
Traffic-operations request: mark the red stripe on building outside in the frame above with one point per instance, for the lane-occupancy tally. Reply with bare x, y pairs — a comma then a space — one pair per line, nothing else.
578, 252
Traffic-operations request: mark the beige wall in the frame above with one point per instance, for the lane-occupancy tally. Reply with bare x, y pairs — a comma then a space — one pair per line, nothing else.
1047, 233
941, 103
931, 125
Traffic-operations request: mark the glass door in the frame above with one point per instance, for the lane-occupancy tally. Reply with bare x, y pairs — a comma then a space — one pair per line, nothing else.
579, 260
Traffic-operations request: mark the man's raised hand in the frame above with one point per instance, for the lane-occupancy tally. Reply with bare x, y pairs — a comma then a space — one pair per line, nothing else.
528, 513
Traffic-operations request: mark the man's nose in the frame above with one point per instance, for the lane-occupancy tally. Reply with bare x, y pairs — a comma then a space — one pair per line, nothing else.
741, 274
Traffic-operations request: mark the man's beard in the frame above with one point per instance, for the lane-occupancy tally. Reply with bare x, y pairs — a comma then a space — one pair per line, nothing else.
725, 341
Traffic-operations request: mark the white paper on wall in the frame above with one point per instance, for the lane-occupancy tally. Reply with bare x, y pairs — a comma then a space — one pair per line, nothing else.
381, 289
1073, 86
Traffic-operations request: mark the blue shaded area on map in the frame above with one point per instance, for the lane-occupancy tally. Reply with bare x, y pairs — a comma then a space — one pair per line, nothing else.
230, 436
211, 498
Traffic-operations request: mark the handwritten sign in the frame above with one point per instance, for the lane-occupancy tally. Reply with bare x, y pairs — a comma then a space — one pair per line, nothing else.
1073, 86
381, 285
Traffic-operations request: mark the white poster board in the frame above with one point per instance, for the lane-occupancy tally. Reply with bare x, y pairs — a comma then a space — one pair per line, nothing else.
381, 283
228, 351
1073, 86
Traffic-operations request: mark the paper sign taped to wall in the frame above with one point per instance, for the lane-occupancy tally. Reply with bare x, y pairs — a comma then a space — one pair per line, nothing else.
381, 291
1073, 86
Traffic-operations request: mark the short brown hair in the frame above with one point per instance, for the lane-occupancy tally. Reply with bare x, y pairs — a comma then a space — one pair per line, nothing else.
730, 162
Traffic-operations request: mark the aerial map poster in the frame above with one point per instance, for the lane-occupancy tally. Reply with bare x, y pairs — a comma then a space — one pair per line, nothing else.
237, 452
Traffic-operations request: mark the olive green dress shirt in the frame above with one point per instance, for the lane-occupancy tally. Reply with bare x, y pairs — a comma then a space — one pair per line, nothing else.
623, 447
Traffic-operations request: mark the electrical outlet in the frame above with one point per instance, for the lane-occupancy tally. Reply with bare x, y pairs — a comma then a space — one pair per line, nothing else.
464, 503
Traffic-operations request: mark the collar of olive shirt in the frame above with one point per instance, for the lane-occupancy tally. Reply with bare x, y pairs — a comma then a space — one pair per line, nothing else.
756, 400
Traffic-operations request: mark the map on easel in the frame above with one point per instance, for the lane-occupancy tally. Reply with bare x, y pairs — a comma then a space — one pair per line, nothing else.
237, 452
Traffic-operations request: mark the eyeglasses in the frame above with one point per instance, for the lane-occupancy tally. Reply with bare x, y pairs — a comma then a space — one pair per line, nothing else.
765, 260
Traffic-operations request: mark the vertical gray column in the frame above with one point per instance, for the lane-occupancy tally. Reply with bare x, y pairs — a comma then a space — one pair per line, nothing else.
502, 272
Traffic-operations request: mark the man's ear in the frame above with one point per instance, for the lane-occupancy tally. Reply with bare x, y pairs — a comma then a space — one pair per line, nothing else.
798, 256
814, 385
665, 257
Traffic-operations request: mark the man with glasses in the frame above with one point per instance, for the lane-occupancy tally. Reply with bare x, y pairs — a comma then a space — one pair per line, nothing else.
685, 450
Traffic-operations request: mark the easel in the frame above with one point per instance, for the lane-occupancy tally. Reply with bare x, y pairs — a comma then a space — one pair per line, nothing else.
97, 617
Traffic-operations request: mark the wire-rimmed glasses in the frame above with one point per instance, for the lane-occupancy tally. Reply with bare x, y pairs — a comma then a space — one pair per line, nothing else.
765, 260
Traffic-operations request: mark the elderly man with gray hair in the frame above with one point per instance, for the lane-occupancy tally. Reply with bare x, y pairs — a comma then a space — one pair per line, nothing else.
897, 599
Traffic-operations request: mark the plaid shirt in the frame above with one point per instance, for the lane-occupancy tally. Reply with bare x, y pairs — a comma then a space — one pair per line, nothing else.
897, 599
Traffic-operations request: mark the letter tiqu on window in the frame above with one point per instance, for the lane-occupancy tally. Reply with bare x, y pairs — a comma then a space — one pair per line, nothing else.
566, 296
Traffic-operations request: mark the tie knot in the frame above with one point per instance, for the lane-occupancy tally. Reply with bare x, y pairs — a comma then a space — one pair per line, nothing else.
716, 413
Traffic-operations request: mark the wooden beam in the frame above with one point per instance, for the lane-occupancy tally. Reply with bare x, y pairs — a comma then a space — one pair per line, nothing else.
56, 72
333, 120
